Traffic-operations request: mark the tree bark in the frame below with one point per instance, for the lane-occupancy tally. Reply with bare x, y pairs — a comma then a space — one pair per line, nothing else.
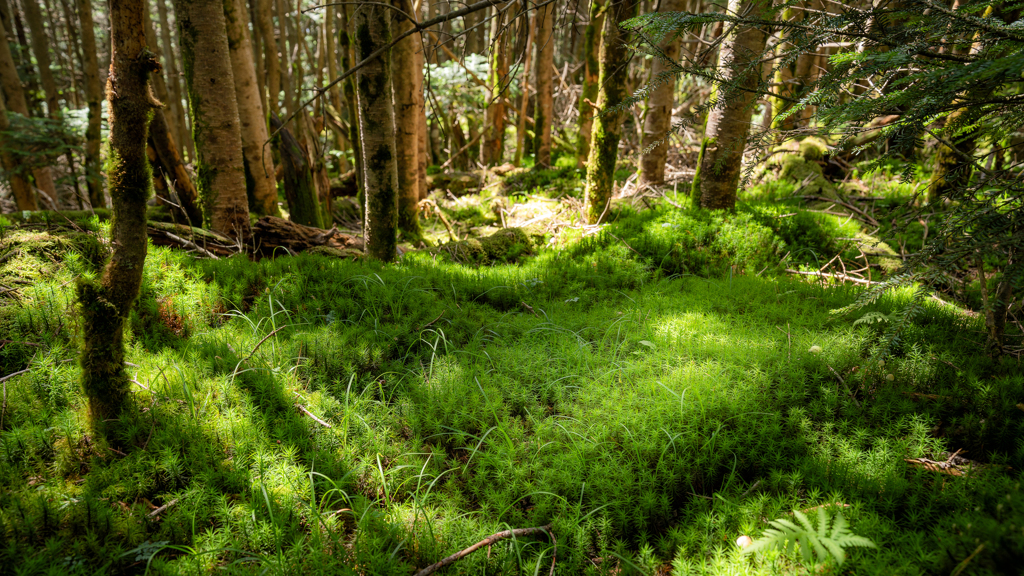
725, 135
524, 90
407, 140
545, 87
421, 125
659, 109
202, 34
591, 79
347, 48
377, 132
608, 125
258, 160
105, 304
494, 118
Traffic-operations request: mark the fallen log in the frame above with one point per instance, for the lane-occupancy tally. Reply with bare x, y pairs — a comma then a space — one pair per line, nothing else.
272, 234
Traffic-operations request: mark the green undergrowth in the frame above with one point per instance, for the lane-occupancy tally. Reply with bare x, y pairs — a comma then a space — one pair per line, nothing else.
652, 391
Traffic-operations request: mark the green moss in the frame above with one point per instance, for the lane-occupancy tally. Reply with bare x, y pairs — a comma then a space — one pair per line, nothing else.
505, 246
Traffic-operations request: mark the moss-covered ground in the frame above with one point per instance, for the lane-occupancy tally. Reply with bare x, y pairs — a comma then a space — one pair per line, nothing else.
653, 391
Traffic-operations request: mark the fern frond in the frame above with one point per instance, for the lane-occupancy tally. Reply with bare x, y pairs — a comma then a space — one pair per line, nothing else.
815, 544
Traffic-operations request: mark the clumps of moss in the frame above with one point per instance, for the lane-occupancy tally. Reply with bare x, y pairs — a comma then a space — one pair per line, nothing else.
798, 162
505, 246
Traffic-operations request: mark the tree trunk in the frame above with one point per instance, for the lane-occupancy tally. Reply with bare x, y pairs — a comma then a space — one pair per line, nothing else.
105, 304
74, 52
659, 109
299, 190
728, 124
160, 86
41, 50
545, 87
377, 132
202, 35
15, 96
180, 116
93, 97
258, 160
608, 125
23, 195
168, 162
407, 139
591, 79
524, 85
265, 19
421, 121
494, 118
347, 48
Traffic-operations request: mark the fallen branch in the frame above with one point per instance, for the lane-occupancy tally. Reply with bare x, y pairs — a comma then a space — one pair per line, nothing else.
862, 213
487, 542
163, 508
310, 414
190, 245
834, 276
13, 374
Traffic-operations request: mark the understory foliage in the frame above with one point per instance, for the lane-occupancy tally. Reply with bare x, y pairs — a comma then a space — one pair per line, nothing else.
920, 65
652, 391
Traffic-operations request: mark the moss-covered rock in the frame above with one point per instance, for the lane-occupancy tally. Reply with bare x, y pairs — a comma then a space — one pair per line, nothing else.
504, 246
806, 174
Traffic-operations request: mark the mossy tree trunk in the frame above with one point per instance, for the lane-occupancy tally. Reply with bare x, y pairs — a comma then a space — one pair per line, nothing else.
591, 79
728, 125
105, 304
372, 25
545, 108
258, 160
202, 34
407, 141
41, 50
658, 120
524, 91
94, 100
604, 145
422, 157
24, 197
493, 147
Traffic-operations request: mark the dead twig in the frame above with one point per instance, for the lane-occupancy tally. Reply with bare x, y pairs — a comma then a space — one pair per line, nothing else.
834, 277
310, 414
163, 508
487, 542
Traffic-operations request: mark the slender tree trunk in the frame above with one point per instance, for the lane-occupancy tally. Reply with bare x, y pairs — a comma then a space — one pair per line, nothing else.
41, 50
347, 48
725, 136
166, 159
377, 132
258, 159
422, 157
494, 119
659, 109
407, 139
299, 189
105, 304
265, 19
23, 196
544, 111
591, 79
608, 125
160, 86
180, 116
202, 35
74, 52
93, 97
15, 96
524, 85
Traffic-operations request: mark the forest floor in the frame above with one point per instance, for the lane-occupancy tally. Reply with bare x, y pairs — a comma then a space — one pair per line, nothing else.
652, 391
